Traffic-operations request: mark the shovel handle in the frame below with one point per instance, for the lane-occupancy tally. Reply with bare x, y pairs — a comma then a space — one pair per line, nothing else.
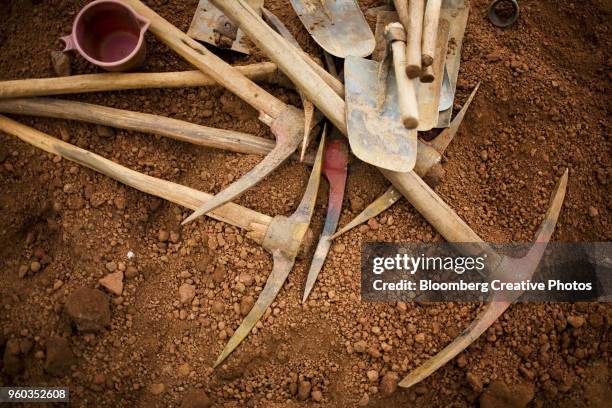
430, 31
406, 91
413, 43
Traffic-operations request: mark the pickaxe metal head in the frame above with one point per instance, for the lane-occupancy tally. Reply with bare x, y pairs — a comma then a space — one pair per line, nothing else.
507, 268
335, 165
281, 232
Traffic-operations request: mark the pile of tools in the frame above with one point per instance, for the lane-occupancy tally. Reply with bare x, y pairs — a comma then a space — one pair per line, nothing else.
379, 110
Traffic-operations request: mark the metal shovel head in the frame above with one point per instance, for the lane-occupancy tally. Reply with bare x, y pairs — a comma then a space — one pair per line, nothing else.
376, 133
210, 25
338, 26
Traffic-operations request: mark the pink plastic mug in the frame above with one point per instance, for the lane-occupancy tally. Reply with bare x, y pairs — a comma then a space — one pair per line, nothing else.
109, 34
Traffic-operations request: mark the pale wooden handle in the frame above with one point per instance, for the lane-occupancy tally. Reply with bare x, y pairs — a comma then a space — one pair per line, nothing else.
406, 92
401, 6
187, 197
430, 31
209, 63
265, 71
413, 42
140, 122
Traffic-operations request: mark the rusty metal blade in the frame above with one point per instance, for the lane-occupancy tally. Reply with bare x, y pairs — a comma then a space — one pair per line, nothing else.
309, 109
376, 136
456, 12
283, 262
287, 140
280, 271
522, 268
338, 26
275, 158
207, 21
335, 170
391, 196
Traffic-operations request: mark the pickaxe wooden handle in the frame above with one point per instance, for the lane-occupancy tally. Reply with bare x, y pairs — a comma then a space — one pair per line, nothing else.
20, 88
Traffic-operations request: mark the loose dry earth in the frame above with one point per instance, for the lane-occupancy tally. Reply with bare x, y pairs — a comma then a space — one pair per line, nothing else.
149, 337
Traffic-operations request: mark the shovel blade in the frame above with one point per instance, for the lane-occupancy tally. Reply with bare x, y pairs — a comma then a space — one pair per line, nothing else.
211, 26
338, 26
376, 133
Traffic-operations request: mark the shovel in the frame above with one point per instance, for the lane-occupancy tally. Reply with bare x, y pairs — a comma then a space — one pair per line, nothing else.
213, 27
338, 26
376, 132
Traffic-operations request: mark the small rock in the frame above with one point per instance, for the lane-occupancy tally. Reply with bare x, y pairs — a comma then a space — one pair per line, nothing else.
186, 293
131, 272
357, 204
576, 321
157, 388
388, 384
23, 271
174, 237
61, 63
499, 395
59, 357
474, 381
88, 309
364, 400
12, 361
218, 307
372, 375
163, 235
247, 279
104, 131
246, 304
484, 155
339, 248
35, 266
196, 399
184, 370
461, 361
111, 266
419, 338
593, 212
304, 390
316, 396
360, 346
113, 283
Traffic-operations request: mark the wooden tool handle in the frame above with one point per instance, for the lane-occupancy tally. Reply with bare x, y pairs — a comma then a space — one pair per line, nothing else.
264, 71
406, 91
430, 31
413, 43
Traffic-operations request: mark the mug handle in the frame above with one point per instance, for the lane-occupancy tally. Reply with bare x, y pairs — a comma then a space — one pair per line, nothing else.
69, 41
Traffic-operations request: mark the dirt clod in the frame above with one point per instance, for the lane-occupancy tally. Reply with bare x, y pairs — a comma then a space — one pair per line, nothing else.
59, 356
196, 399
88, 309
